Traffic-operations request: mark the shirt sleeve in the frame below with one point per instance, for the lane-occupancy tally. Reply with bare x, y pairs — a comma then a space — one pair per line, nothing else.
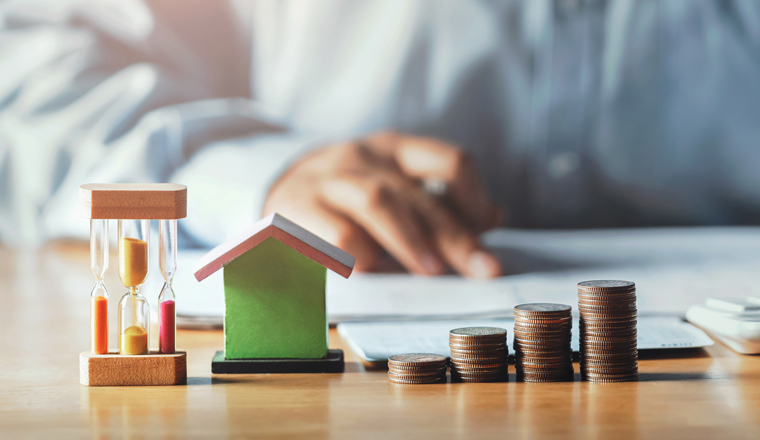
131, 91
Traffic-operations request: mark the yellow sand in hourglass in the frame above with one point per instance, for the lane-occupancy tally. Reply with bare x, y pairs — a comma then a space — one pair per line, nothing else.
133, 261
133, 268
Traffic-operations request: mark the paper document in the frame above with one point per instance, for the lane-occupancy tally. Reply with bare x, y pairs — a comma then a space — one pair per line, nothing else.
377, 341
673, 268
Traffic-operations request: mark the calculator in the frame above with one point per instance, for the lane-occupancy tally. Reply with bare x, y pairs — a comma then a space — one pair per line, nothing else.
735, 322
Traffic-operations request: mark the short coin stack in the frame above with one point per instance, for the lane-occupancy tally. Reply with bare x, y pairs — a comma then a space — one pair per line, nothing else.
542, 342
478, 354
608, 331
417, 368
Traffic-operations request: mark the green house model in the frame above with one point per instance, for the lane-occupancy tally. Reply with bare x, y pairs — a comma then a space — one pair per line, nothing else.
274, 290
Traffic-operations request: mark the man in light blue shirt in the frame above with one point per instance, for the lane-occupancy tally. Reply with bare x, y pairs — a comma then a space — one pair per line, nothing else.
572, 114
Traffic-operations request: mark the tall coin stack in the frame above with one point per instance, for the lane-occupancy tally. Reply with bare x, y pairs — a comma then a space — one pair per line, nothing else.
417, 368
542, 342
608, 331
478, 354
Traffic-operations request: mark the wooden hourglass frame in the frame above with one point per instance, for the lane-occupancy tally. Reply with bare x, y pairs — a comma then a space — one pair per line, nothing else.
131, 203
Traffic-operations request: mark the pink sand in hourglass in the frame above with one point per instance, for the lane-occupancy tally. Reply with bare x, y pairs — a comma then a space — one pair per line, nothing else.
166, 328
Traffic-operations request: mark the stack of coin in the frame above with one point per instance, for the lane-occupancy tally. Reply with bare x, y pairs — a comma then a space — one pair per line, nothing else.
608, 331
417, 368
478, 354
542, 342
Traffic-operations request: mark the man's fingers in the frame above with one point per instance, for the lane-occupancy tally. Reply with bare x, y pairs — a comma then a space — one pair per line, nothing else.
377, 208
425, 158
455, 242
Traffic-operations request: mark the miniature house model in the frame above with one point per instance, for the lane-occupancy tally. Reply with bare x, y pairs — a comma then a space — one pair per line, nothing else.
274, 290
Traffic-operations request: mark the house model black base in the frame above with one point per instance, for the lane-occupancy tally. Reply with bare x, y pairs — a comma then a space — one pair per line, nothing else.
333, 363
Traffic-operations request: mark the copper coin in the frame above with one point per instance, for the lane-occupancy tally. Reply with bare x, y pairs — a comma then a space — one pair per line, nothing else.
417, 359
543, 360
631, 378
480, 380
416, 376
418, 372
487, 375
540, 319
543, 309
606, 285
467, 367
601, 296
495, 360
608, 362
541, 353
608, 344
610, 375
503, 350
559, 376
477, 344
483, 375
416, 381
478, 332
585, 309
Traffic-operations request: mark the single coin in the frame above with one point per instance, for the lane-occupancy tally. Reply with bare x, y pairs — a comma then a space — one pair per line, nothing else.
417, 382
601, 371
609, 317
496, 351
483, 375
417, 359
418, 367
545, 332
604, 308
542, 319
478, 332
544, 377
542, 309
475, 371
540, 339
543, 360
418, 372
606, 301
478, 349
606, 285
480, 380
608, 358
588, 374
609, 339
631, 378
608, 344
627, 360
607, 296
469, 362
469, 367
527, 351
607, 332
534, 368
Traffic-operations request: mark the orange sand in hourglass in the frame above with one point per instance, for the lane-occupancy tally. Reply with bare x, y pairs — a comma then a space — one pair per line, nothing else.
133, 268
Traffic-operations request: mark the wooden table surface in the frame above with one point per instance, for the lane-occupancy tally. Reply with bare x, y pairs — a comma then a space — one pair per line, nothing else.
44, 315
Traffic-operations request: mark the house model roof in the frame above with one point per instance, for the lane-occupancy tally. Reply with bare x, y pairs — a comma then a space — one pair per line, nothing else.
285, 231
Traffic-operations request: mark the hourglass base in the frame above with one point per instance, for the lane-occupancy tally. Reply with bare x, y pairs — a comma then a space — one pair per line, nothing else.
113, 369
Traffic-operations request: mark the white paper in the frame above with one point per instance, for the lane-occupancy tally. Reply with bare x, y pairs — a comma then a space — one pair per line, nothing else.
377, 341
673, 268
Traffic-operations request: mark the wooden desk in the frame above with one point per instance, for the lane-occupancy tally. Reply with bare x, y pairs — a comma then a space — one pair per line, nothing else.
44, 317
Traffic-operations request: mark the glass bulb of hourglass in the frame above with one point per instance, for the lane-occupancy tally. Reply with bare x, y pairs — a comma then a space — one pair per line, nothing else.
167, 263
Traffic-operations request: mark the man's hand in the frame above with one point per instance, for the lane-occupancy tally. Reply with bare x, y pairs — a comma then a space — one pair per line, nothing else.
367, 195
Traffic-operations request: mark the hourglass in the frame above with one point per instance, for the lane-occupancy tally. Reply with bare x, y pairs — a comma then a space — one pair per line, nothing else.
133, 206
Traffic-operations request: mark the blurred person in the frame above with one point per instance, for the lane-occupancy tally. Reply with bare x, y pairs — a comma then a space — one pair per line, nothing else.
339, 114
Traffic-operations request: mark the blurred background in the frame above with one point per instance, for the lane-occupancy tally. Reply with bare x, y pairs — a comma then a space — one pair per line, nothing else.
567, 114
